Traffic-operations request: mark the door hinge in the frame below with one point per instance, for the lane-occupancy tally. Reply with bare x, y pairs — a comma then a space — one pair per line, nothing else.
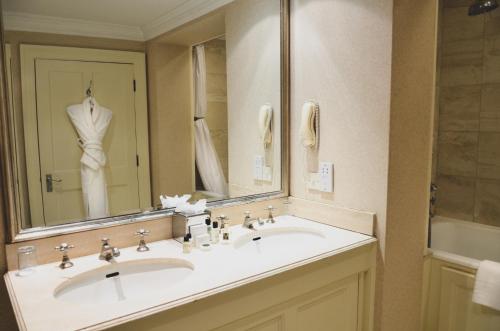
134, 85
137, 159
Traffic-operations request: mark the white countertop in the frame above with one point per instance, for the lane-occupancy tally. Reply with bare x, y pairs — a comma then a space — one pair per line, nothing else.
220, 269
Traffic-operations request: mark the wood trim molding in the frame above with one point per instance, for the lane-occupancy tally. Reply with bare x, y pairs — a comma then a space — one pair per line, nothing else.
188, 11
183, 14
15, 21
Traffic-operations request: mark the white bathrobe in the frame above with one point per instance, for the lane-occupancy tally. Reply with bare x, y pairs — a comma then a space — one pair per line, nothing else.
91, 128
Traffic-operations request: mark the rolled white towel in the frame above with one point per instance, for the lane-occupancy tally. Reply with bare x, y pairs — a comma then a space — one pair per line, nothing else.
487, 285
173, 202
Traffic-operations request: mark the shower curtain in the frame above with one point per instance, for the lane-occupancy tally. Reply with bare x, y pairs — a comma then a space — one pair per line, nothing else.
207, 161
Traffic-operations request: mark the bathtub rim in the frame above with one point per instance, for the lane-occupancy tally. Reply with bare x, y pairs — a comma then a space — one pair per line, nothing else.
465, 261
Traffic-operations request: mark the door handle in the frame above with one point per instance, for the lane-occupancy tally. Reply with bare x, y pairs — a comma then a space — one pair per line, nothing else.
49, 181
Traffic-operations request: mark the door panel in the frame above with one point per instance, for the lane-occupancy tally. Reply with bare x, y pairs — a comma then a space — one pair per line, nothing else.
457, 311
335, 310
59, 84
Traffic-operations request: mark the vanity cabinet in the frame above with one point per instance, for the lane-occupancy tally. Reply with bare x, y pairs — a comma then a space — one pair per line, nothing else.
335, 293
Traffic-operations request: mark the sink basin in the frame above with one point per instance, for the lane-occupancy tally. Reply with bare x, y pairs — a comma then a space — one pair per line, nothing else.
121, 281
276, 240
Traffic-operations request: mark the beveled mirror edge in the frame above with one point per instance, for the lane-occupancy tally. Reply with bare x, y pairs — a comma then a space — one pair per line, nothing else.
9, 209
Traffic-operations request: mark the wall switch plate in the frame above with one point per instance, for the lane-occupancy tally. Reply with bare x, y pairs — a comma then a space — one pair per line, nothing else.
267, 174
258, 167
326, 176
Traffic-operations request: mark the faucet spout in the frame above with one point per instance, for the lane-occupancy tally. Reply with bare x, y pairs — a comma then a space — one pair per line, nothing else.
108, 252
250, 222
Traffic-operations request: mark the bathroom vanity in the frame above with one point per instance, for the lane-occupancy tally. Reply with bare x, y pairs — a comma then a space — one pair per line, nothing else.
116, 122
291, 275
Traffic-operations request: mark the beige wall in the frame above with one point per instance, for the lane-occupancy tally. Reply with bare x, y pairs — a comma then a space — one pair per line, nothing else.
216, 117
468, 151
412, 103
376, 132
253, 78
347, 71
170, 119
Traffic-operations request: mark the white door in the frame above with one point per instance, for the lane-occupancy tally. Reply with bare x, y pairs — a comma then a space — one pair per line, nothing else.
59, 84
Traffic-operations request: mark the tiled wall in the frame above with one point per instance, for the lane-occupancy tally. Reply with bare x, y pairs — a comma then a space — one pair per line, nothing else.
468, 145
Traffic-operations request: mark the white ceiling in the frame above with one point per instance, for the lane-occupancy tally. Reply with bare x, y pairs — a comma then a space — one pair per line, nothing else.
124, 19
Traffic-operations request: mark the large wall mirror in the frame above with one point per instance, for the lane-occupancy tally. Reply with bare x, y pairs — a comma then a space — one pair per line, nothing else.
113, 104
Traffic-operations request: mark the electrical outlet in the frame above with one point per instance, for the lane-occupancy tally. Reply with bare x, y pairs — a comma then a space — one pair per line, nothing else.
258, 167
326, 176
314, 182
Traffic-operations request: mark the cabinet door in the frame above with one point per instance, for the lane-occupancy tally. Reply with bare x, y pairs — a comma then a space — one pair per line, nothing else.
333, 307
457, 311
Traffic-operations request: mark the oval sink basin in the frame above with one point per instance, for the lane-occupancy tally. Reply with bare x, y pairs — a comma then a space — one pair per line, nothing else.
292, 239
121, 281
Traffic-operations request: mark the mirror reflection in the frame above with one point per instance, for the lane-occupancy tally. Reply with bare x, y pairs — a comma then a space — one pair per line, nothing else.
109, 113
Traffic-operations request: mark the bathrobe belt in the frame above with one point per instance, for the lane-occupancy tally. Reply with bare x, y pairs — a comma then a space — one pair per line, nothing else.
93, 155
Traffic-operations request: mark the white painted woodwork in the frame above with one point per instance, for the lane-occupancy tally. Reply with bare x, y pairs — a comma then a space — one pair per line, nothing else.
137, 21
449, 305
50, 85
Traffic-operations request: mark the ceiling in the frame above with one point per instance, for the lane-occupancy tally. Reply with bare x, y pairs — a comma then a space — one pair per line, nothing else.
123, 19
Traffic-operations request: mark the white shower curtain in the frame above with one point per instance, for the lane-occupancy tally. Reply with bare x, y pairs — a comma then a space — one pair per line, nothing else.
207, 161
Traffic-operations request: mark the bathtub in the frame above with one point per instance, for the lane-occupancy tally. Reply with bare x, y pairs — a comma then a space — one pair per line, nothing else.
463, 242
456, 249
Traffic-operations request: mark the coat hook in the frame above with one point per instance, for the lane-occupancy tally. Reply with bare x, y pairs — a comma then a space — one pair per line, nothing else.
89, 90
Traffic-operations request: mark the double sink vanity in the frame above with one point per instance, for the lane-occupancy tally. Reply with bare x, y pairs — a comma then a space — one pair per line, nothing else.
119, 122
140, 287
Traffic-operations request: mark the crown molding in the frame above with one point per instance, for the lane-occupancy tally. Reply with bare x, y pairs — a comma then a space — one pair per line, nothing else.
182, 14
188, 11
49, 24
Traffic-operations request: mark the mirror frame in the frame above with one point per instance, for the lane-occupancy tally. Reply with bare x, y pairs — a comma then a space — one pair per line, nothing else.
10, 211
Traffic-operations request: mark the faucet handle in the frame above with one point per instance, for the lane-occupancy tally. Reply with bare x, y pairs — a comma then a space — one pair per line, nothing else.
105, 240
65, 263
142, 243
142, 232
247, 213
270, 217
64, 247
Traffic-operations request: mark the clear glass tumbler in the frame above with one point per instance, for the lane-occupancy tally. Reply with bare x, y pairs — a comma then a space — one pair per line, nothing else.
26, 259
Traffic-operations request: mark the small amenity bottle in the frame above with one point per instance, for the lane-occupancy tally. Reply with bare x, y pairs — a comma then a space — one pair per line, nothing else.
186, 245
215, 233
208, 222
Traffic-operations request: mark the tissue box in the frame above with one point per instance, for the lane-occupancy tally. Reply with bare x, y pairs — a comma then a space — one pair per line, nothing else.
181, 223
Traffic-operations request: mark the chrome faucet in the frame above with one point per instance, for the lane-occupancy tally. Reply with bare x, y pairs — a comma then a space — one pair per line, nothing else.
249, 222
63, 248
270, 217
142, 242
108, 252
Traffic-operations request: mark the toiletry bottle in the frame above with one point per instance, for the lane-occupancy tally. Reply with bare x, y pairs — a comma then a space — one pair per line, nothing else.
215, 232
186, 245
208, 222
224, 229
